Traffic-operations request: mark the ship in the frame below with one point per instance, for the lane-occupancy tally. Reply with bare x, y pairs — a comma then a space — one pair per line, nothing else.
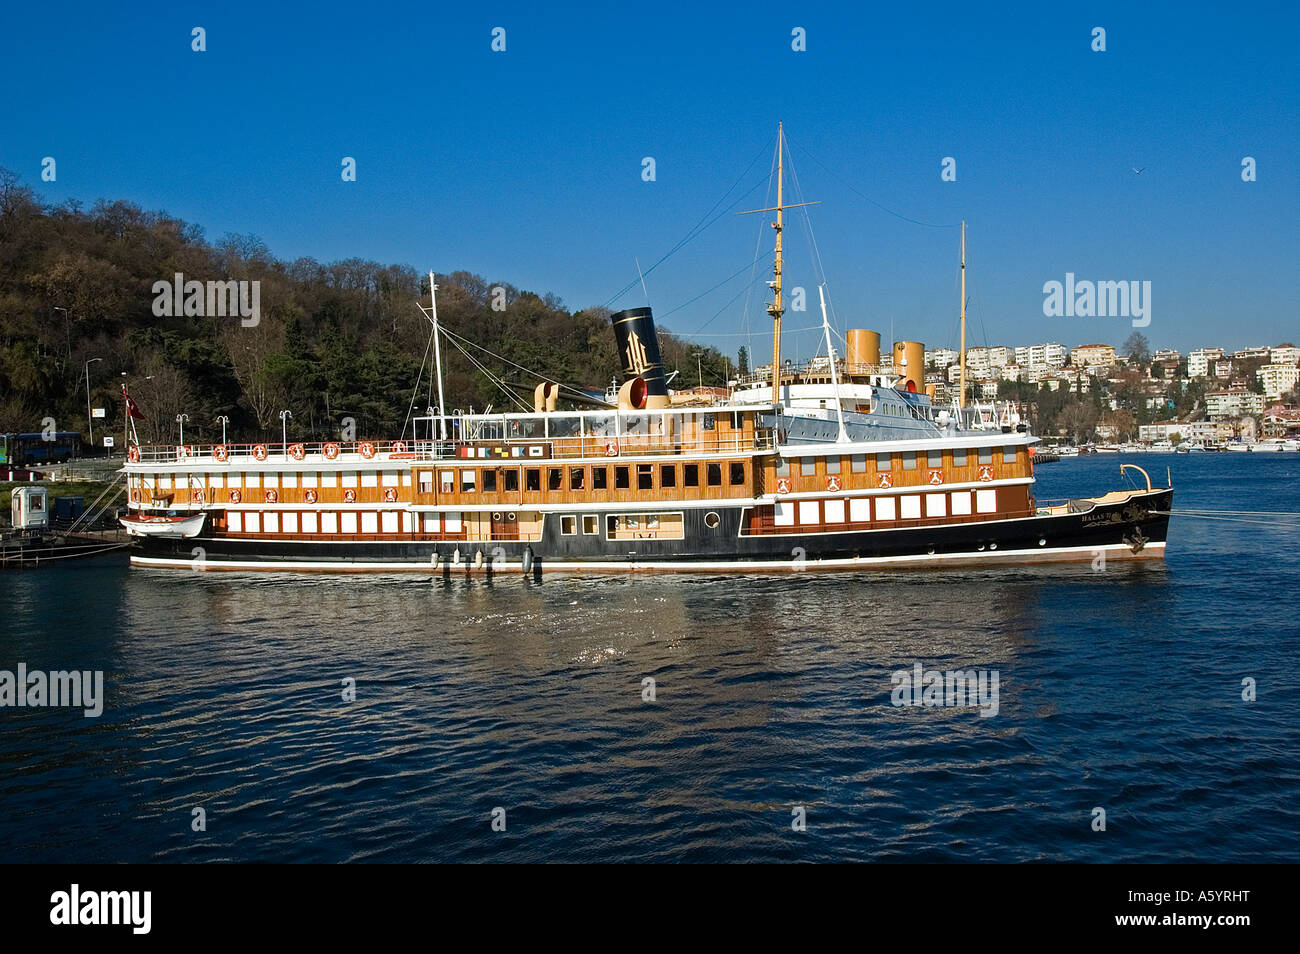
843, 463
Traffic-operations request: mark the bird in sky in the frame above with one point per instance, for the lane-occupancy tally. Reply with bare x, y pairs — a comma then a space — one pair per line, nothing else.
1139, 171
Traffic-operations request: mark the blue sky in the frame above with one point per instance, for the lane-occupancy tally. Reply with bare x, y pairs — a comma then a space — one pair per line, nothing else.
525, 166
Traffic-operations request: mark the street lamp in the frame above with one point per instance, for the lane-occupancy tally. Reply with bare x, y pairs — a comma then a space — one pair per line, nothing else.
90, 422
223, 421
284, 432
181, 419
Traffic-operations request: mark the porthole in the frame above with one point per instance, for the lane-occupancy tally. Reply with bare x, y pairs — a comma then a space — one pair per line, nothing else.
993, 546
496, 515
711, 520
1042, 541
510, 516
981, 546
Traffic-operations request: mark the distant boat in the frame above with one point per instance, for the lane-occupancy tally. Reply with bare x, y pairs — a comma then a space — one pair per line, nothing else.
1238, 447
1162, 447
1273, 445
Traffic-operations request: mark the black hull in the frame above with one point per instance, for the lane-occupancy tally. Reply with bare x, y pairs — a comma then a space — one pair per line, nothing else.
1134, 528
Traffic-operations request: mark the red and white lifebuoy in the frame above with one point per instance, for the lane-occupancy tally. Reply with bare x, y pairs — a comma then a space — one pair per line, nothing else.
367, 449
986, 472
272, 496
297, 451
390, 494
310, 496
399, 447
349, 496
235, 496
833, 482
936, 477
782, 485
884, 480
133, 455
611, 449
196, 495
331, 450
259, 452
220, 452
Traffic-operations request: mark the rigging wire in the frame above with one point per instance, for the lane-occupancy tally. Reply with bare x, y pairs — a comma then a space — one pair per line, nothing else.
860, 193
701, 226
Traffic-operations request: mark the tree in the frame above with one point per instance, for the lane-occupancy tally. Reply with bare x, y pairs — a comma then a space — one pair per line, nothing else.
742, 361
1137, 348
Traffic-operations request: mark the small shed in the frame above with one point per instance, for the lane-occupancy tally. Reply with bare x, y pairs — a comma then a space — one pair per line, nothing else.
30, 508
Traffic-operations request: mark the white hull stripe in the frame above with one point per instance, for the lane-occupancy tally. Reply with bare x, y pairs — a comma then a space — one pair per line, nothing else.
1037, 555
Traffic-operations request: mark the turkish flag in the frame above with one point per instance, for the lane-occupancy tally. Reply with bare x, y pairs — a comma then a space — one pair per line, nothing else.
132, 409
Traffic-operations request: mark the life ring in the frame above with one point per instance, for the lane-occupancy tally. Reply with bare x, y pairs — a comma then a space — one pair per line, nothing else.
133, 455
399, 447
611, 449
196, 495
220, 452
782, 485
349, 496
297, 451
259, 452
367, 449
135, 496
390, 494
272, 496
331, 450
235, 496
310, 496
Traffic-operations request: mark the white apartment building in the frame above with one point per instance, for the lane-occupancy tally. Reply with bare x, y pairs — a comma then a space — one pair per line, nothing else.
1000, 356
1260, 352
1165, 354
1050, 355
1199, 361
1093, 356
1233, 402
1278, 379
1285, 354
1012, 372
940, 357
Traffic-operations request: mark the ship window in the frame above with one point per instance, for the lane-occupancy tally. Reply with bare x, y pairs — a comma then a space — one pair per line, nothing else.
809, 511
860, 509
554, 478
599, 478
936, 505
959, 457
910, 506
782, 467
329, 522
668, 475
350, 478
568, 525
577, 478
885, 508
961, 504
250, 480
369, 521
934, 458
388, 478
446, 481
833, 465
590, 524
859, 463
467, 481
909, 460
807, 467
715, 475
489, 480
512, 481
533, 479
235, 521
1009, 455
737, 473
708, 421
349, 521
986, 455
645, 478
310, 523
690, 475
309, 478
882, 462
986, 501
369, 478
329, 478
252, 523
737, 420
621, 479
426, 481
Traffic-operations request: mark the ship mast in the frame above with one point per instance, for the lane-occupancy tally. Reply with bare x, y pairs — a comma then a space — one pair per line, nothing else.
775, 308
961, 400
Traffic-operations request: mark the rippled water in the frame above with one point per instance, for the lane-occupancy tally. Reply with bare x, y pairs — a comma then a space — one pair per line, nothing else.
1119, 689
